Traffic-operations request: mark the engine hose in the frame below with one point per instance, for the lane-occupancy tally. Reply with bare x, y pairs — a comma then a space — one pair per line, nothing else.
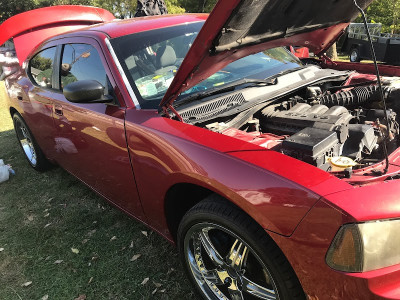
354, 97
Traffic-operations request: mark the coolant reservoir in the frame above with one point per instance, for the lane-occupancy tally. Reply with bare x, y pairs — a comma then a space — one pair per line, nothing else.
340, 163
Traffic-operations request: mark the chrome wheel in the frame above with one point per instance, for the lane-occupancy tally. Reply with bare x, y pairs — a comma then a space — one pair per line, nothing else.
354, 55
224, 266
26, 142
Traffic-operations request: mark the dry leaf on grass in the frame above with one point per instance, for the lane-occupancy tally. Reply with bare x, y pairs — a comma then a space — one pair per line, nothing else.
113, 238
145, 281
91, 232
90, 280
46, 215
47, 225
30, 218
1, 249
145, 233
135, 257
157, 284
85, 241
153, 292
28, 283
74, 250
58, 261
131, 245
45, 297
81, 297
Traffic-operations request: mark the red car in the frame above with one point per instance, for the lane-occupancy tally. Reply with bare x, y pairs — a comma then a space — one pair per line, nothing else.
269, 175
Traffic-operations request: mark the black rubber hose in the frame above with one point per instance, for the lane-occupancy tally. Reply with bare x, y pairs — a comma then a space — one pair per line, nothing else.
352, 98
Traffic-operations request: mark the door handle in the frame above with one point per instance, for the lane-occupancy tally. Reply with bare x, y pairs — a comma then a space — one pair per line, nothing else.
58, 110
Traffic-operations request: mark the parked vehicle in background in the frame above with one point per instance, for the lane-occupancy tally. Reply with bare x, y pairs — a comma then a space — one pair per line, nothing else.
355, 44
270, 176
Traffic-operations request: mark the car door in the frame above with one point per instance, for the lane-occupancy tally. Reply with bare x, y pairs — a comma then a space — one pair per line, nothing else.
90, 138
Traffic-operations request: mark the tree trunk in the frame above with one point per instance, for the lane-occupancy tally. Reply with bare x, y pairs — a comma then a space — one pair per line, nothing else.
201, 6
394, 17
332, 52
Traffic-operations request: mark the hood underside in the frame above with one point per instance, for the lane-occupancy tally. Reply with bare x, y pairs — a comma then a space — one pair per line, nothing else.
254, 22
237, 28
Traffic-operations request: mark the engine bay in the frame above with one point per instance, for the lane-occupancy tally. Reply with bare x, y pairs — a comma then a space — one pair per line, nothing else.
339, 127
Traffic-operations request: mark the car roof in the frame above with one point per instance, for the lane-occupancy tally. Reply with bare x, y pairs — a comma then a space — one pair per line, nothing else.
119, 28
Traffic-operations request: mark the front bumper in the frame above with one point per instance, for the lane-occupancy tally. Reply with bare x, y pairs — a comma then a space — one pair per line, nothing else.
306, 249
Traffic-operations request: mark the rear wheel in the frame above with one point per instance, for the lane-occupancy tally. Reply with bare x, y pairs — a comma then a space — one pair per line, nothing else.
30, 148
355, 55
229, 256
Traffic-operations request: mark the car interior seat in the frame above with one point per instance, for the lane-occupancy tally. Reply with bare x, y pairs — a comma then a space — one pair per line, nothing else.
165, 60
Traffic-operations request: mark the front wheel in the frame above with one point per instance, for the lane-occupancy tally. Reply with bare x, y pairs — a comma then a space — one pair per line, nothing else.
229, 256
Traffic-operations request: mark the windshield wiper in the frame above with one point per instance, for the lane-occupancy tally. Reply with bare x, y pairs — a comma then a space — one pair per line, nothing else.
227, 88
284, 72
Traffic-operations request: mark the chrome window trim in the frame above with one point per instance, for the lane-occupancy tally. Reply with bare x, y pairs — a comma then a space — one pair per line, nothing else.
122, 73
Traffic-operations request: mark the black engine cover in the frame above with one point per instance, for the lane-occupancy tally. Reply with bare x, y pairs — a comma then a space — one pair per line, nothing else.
303, 115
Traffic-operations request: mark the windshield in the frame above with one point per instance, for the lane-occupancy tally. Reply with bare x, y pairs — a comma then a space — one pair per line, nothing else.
150, 60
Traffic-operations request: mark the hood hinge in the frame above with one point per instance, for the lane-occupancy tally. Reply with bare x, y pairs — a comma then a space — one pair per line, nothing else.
326, 60
171, 108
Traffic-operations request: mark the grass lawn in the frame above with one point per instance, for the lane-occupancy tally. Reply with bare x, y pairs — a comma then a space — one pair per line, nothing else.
63, 241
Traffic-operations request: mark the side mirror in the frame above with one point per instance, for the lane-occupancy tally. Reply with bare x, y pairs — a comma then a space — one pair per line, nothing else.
86, 91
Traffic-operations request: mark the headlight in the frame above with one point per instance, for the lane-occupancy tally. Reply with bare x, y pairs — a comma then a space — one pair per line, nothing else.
365, 246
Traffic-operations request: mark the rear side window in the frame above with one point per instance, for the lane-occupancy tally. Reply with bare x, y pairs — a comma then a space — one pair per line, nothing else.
81, 62
41, 67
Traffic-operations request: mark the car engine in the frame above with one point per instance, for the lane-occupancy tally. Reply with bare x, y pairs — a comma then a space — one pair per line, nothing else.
321, 122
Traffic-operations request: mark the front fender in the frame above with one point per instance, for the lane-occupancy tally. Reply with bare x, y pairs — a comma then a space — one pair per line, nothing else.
162, 156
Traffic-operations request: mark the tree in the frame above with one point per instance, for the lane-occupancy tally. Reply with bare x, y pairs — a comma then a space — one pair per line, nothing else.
10, 8
194, 6
332, 52
122, 9
174, 7
386, 12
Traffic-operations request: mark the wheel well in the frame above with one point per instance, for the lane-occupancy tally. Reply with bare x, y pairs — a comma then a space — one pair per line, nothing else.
13, 111
179, 199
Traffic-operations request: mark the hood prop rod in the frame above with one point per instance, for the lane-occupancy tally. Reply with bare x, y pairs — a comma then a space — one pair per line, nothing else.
378, 78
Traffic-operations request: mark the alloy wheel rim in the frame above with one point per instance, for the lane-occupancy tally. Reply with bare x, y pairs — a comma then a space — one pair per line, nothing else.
26, 142
224, 266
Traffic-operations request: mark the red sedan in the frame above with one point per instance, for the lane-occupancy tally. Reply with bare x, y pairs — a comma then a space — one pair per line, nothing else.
275, 179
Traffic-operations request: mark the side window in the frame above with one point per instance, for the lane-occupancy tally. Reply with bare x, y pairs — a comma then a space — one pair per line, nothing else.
81, 62
41, 67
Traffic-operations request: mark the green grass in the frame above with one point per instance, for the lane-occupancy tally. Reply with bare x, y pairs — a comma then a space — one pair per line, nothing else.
44, 215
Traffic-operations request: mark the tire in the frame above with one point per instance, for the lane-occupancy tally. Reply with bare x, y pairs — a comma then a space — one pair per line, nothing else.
227, 255
29, 146
355, 55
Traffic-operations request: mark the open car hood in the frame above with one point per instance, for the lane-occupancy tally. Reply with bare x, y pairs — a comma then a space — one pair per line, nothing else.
237, 28
31, 28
